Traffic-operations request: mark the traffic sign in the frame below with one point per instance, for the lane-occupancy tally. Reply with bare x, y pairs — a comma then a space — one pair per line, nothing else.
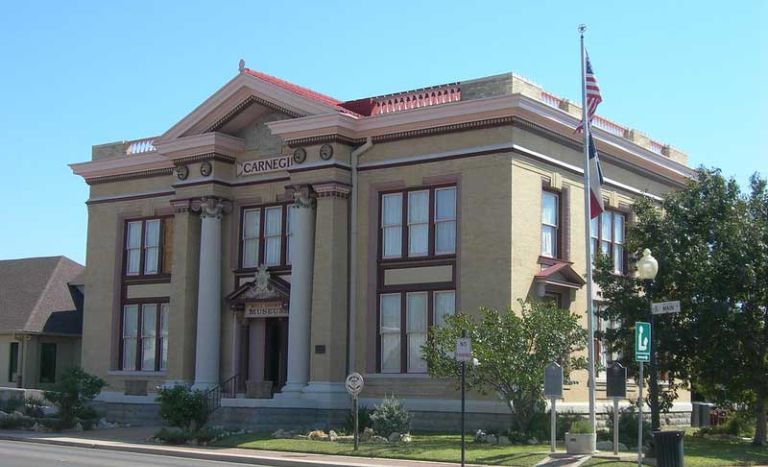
464, 349
665, 307
642, 341
354, 384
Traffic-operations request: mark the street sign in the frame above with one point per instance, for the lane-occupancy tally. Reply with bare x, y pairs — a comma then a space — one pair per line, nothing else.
665, 307
354, 384
642, 341
553, 380
616, 381
464, 349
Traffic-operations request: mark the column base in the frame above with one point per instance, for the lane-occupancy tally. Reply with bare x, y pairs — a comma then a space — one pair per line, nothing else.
203, 386
291, 391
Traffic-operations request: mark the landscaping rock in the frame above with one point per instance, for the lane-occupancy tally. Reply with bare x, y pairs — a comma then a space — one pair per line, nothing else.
345, 438
532, 441
491, 439
3, 414
480, 436
379, 439
318, 435
405, 438
282, 434
394, 437
504, 441
301, 437
367, 434
78, 427
332, 436
16, 413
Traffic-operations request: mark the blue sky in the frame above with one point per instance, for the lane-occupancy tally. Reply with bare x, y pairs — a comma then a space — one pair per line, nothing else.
77, 73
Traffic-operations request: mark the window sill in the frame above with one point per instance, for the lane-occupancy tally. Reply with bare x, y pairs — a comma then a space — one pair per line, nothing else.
145, 374
147, 279
416, 259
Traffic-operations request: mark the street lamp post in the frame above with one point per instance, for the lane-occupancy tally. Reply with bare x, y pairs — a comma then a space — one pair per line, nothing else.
647, 268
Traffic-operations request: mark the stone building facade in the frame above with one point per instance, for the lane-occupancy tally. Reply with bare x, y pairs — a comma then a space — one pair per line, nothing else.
276, 239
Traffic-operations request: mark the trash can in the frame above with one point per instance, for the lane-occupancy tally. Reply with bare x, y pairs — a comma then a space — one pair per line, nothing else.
669, 448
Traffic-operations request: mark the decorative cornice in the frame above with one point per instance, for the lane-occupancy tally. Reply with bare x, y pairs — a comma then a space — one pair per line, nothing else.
332, 190
131, 197
211, 156
249, 101
129, 176
331, 138
202, 144
455, 127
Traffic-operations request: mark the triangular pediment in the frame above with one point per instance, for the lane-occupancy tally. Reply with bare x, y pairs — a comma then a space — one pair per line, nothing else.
264, 287
245, 98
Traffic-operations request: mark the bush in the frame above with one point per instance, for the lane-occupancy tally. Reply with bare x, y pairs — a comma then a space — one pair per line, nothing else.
390, 416
14, 423
170, 436
72, 393
581, 426
628, 426
363, 420
182, 407
11, 405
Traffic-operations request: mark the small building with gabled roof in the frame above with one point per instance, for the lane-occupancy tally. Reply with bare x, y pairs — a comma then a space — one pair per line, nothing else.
41, 320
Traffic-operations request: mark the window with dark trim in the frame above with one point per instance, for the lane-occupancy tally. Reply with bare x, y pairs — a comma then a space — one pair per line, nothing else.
608, 235
148, 246
418, 223
551, 231
265, 233
144, 336
13, 362
404, 318
47, 362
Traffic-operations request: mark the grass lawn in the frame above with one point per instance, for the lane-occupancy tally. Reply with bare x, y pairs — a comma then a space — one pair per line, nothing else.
424, 447
701, 452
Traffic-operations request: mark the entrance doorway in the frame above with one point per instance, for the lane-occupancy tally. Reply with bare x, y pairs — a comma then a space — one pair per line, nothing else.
276, 352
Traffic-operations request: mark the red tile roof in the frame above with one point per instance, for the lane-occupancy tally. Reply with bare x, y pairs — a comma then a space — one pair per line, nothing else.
302, 91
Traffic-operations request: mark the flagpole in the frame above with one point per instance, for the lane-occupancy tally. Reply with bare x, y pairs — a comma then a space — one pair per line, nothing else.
588, 238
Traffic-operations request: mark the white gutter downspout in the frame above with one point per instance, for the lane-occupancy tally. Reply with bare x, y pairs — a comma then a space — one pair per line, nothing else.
352, 305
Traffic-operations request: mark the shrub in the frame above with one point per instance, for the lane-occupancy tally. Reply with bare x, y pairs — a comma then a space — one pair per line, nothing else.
182, 407
173, 436
363, 420
11, 405
72, 393
628, 426
14, 423
581, 426
390, 416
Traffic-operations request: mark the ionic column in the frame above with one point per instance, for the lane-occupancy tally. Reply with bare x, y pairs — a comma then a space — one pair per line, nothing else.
302, 258
209, 296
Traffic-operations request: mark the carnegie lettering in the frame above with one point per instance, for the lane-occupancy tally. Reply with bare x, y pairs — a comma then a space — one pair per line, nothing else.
260, 166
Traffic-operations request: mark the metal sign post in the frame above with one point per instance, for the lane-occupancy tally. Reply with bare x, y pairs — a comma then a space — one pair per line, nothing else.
616, 388
354, 385
463, 355
642, 354
553, 388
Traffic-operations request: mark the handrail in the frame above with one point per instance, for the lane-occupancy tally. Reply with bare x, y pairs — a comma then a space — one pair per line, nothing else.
228, 387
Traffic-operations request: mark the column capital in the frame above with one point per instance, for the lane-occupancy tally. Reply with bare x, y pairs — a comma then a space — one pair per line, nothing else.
332, 190
304, 196
212, 207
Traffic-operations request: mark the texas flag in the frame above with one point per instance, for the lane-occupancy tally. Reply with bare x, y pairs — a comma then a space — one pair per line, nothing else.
595, 180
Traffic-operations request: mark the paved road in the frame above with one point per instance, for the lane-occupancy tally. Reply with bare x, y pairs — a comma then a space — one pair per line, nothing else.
19, 454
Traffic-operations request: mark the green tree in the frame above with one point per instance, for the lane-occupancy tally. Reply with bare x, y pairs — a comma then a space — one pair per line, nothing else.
512, 349
711, 241
72, 394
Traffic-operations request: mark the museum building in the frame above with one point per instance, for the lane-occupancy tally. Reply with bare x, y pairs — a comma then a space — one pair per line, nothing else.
276, 239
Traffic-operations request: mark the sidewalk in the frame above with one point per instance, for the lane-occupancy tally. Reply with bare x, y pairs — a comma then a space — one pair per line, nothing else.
134, 439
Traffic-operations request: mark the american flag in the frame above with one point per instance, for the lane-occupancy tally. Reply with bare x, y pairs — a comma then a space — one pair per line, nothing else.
593, 95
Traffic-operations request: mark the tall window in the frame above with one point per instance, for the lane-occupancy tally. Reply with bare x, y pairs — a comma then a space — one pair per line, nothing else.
265, 236
404, 318
13, 362
550, 224
604, 325
145, 337
427, 219
608, 236
148, 246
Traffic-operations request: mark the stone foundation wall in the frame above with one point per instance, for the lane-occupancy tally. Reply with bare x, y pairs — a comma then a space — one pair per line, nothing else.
270, 418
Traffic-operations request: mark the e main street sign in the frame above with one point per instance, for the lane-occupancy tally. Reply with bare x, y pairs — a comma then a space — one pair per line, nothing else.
663, 308
642, 341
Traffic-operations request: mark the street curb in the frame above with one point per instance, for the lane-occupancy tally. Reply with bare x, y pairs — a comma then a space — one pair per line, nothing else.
202, 454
